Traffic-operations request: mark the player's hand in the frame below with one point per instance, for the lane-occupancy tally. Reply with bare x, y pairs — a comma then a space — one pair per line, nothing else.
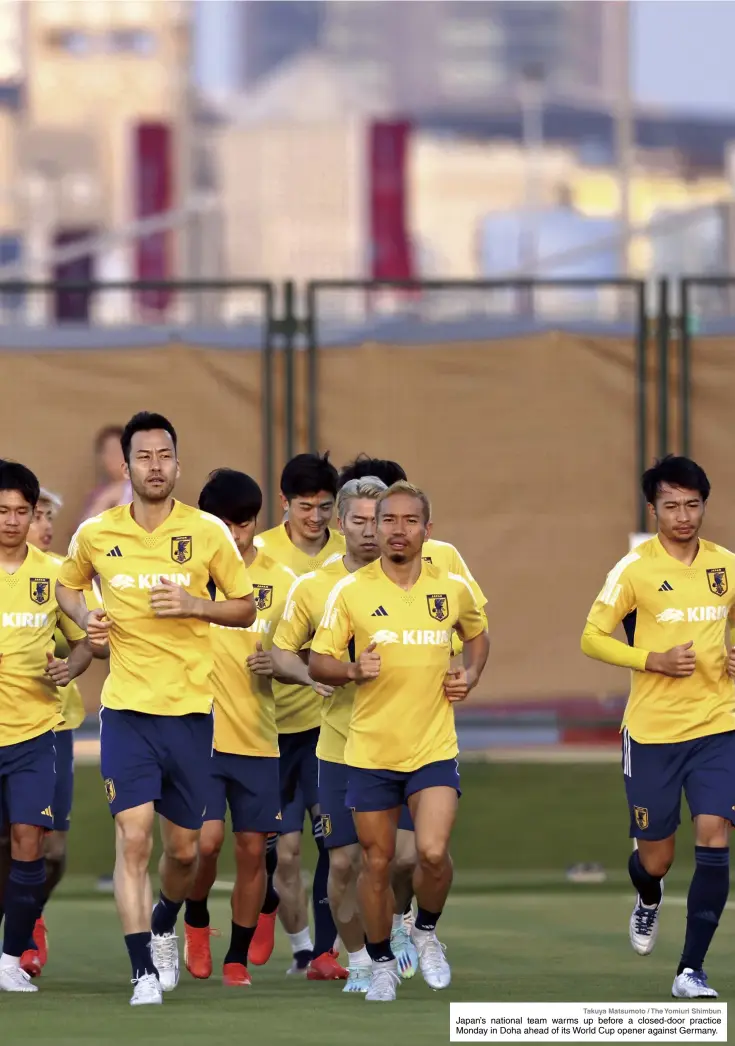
98, 627
170, 600
322, 689
456, 684
367, 666
679, 662
261, 662
57, 670
730, 663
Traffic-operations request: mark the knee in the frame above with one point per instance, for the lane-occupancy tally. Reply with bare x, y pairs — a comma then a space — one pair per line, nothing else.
210, 843
377, 863
341, 867
289, 857
26, 842
658, 863
404, 863
250, 850
134, 842
54, 847
184, 852
432, 856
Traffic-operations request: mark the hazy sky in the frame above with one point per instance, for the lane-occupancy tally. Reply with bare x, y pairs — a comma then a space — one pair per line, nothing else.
683, 51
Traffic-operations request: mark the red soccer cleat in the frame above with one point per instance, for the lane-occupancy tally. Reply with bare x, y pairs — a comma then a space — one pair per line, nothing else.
30, 961
40, 939
235, 975
264, 938
197, 954
326, 968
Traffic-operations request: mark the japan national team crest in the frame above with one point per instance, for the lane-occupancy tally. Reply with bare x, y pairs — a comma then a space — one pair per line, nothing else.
110, 789
263, 595
40, 590
181, 549
717, 580
641, 817
326, 825
438, 607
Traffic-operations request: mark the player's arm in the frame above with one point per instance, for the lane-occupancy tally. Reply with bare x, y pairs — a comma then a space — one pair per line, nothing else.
471, 626
75, 577
292, 635
616, 600
79, 658
330, 643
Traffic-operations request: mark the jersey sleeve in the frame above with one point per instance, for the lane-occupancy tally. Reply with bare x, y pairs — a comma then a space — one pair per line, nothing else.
226, 567
77, 570
458, 566
294, 629
470, 619
335, 630
616, 600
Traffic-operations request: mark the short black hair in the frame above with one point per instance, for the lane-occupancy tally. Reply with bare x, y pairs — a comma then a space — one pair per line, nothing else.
14, 476
389, 471
308, 474
231, 495
676, 472
144, 421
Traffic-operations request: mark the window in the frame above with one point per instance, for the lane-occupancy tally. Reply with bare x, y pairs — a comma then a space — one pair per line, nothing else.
465, 79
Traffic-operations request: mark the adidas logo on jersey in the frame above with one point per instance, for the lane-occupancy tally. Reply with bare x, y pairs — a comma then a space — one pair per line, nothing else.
115, 551
48, 812
666, 587
380, 612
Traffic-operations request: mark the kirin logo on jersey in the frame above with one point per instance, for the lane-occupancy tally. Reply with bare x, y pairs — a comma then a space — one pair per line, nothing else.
40, 590
181, 548
263, 595
385, 636
693, 615
438, 607
717, 580
122, 581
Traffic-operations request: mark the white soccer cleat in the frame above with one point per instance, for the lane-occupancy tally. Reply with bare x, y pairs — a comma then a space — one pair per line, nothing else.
405, 952
296, 969
643, 926
358, 979
165, 955
692, 984
147, 991
13, 979
384, 981
434, 967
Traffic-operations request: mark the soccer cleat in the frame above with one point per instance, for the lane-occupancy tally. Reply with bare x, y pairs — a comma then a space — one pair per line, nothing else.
409, 920
358, 979
692, 984
261, 946
165, 955
405, 952
235, 975
643, 926
197, 953
13, 979
30, 962
384, 981
40, 939
326, 968
147, 991
299, 965
434, 967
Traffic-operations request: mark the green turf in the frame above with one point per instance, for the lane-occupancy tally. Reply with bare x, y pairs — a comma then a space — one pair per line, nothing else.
535, 820
503, 947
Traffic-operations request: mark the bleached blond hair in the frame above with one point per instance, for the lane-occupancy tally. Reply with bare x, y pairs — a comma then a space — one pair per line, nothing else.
367, 487
404, 487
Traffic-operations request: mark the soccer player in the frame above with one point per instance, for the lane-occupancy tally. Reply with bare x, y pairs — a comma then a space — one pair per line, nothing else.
402, 742
304, 610
154, 559
303, 543
30, 710
41, 534
244, 767
673, 596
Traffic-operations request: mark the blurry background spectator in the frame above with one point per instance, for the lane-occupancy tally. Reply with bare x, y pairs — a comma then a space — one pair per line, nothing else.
112, 488
47, 509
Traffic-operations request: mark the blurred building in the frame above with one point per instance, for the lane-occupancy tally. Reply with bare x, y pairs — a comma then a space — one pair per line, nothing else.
446, 55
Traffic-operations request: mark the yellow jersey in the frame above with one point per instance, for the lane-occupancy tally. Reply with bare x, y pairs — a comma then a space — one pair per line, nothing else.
72, 706
402, 720
663, 603
157, 665
244, 706
298, 708
30, 703
301, 617
446, 557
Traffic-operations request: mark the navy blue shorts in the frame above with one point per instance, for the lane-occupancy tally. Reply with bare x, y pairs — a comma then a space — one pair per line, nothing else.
27, 781
64, 790
656, 775
293, 814
249, 786
159, 759
369, 790
298, 768
338, 826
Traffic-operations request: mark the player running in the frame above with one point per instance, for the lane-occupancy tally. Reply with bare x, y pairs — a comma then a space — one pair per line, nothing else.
154, 559
244, 767
303, 543
673, 596
402, 742
304, 610
30, 711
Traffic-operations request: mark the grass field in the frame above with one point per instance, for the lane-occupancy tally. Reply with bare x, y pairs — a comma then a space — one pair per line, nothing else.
503, 947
